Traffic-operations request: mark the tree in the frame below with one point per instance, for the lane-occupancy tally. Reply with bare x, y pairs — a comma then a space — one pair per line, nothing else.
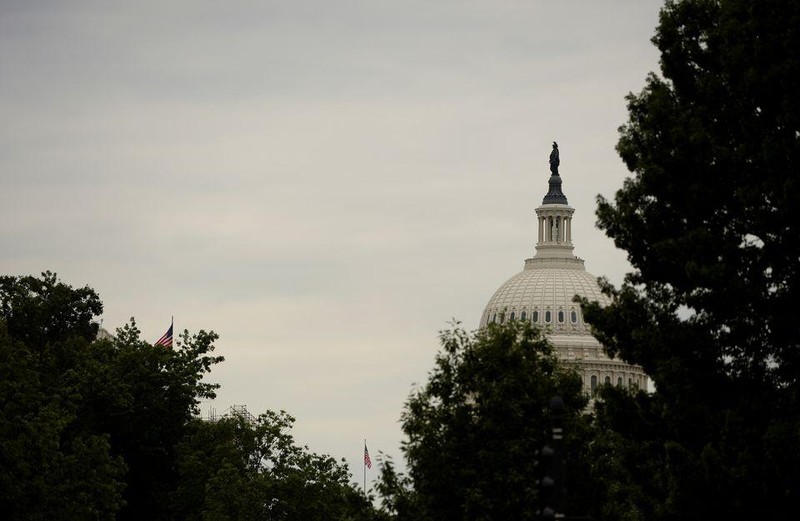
709, 221
473, 431
109, 429
88, 429
246, 468
45, 311
48, 469
145, 398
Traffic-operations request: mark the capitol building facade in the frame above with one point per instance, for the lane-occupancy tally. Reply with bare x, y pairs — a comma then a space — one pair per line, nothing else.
543, 294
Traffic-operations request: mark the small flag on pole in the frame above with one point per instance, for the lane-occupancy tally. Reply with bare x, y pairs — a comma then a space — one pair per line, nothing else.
367, 461
166, 340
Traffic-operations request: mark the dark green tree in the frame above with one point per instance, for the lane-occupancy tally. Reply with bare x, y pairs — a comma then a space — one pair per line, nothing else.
472, 432
48, 468
89, 429
245, 468
709, 221
42, 311
109, 429
145, 398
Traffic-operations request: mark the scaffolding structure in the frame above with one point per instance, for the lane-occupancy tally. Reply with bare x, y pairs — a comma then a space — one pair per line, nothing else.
234, 411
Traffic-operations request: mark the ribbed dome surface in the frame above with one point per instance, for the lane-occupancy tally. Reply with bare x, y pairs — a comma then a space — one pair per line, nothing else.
540, 289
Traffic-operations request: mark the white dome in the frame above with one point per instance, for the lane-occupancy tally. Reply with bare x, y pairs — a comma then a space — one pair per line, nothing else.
542, 293
537, 290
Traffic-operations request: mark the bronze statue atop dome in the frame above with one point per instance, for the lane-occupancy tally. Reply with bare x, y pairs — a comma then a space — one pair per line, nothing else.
554, 160
554, 194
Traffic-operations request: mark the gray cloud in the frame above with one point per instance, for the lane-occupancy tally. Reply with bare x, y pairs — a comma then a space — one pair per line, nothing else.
323, 183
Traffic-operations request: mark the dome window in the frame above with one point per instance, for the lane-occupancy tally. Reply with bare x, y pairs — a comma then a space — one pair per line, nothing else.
522, 316
560, 317
619, 381
547, 316
594, 384
573, 316
494, 318
608, 380
512, 316
535, 317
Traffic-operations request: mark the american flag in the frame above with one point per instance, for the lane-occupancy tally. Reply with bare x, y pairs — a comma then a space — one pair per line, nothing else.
166, 340
367, 461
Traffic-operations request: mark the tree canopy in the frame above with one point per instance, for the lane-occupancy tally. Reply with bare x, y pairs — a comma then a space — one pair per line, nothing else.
473, 430
109, 429
88, 428
249, 468
709, 221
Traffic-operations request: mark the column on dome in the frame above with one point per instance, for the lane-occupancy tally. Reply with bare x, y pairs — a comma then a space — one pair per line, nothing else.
546, 228
559, 230
569, 230
541, 228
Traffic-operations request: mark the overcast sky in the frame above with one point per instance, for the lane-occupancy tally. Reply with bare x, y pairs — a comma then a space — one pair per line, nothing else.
323, 183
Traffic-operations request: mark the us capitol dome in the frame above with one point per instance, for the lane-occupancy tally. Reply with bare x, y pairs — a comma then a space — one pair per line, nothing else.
543, 291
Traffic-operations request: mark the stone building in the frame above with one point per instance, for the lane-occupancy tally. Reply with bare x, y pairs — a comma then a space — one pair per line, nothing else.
543, 291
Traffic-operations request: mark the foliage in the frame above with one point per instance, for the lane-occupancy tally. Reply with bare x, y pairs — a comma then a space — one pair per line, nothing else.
108, 429
41, 311
145, 397
473, 430
250, 468
709, 222
48, 468
88, 429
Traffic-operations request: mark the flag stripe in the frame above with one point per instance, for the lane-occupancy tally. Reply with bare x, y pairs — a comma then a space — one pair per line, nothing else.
367, 461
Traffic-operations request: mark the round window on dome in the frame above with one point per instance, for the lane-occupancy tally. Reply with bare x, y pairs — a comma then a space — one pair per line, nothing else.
560, 316
535, 317
523, 316
548, 316
573, 317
